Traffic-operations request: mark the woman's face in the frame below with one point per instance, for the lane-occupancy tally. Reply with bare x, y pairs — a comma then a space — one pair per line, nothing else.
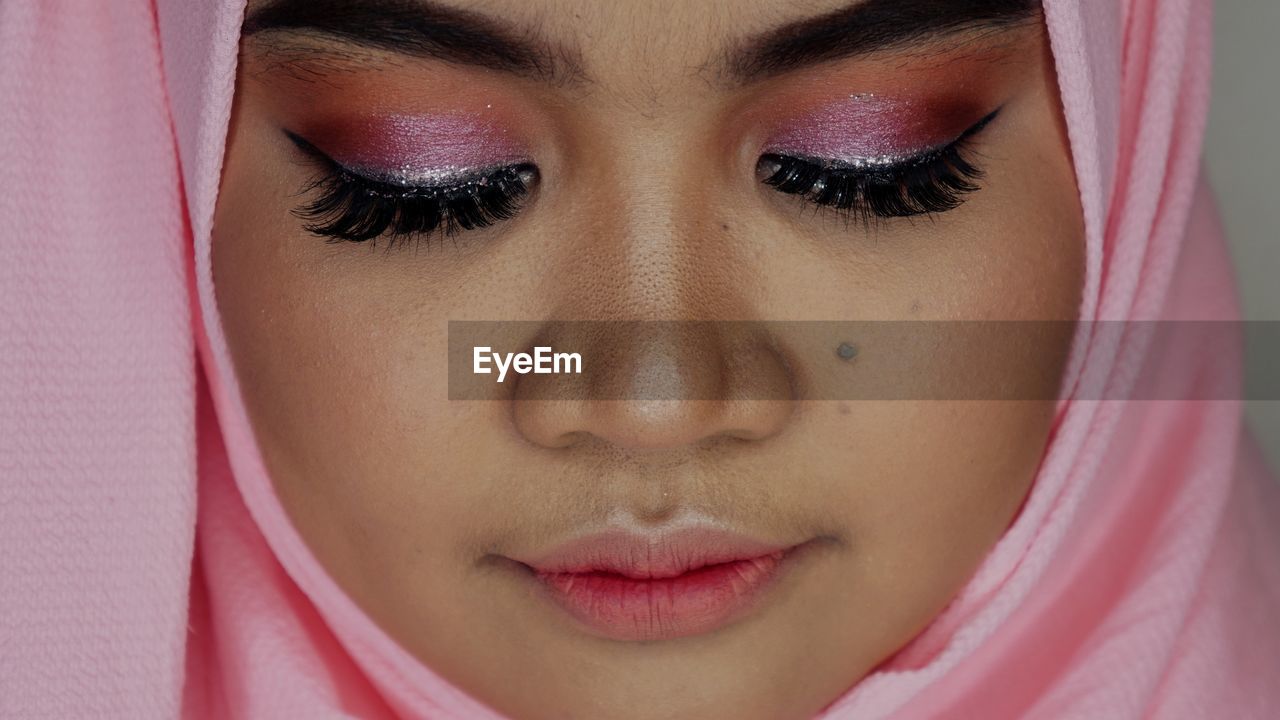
725, 532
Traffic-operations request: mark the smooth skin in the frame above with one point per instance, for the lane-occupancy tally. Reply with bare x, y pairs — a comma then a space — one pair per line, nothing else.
649, 206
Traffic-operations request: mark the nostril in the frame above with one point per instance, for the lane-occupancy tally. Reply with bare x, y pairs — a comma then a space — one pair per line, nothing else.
552, 424
659, 385
648, 425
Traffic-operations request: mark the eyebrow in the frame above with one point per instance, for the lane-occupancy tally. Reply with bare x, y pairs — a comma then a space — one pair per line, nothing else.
871, 26
423, 28
420, 28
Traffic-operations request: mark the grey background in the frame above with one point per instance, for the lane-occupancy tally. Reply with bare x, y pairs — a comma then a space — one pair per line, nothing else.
1243, 155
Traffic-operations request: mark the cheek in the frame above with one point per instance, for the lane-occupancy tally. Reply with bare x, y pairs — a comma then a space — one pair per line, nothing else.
943, 502
925, 489
335, 375
348, 417
929, 486
951, 498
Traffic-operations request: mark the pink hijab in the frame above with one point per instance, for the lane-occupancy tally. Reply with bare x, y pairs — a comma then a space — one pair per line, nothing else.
147, 570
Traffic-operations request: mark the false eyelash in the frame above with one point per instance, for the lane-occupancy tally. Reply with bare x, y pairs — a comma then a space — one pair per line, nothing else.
934, 181
356, 208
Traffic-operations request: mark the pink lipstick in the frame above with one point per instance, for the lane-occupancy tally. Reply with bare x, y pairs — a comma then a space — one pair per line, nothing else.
636, 587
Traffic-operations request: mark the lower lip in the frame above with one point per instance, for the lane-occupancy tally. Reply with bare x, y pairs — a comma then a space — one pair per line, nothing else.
695, 602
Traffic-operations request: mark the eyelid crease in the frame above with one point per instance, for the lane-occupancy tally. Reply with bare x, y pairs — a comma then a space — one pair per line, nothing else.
888, 162
927, 183
407, 177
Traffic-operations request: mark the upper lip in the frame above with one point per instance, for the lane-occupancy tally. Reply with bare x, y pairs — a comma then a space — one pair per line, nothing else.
650, 555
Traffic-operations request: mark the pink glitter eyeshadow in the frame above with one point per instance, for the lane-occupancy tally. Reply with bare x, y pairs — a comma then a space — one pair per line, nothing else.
866, 130
418, 149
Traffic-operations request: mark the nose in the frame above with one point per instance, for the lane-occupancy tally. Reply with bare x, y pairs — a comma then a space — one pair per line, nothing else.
658, 386
652, 265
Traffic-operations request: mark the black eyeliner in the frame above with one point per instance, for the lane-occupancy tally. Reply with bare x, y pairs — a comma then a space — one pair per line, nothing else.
351, 206
929, 182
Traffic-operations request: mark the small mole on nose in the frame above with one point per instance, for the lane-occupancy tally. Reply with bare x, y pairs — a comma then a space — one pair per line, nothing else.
846, 351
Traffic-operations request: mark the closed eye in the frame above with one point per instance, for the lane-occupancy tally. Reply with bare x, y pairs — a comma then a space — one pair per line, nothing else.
932, 181
351, 206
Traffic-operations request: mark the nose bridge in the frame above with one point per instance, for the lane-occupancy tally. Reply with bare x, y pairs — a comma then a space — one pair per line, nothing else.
651, 267
652, 242
657, 251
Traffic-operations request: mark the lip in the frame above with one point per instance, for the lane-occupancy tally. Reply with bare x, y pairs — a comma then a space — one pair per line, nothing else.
631, 586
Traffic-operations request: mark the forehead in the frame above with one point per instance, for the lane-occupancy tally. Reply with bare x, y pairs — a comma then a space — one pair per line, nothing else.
656, 32
609, 25
646, 49
652, 26
619, 39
